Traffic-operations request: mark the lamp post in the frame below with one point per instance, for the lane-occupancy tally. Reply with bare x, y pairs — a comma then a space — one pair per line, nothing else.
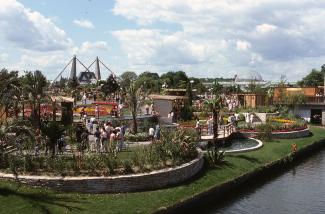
39, 110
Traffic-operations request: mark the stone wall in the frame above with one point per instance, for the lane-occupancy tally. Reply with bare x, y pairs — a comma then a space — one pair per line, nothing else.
115, 184
281, 135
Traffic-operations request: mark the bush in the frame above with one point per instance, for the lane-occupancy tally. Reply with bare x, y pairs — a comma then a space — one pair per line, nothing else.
215, 156
142, 136
265, 131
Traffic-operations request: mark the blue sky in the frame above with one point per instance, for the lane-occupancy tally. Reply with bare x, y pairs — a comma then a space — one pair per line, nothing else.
205, 38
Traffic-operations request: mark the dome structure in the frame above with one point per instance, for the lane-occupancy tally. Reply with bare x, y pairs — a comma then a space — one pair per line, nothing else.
249, 76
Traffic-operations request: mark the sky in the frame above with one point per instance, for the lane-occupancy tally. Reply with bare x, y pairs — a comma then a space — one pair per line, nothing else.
204, 38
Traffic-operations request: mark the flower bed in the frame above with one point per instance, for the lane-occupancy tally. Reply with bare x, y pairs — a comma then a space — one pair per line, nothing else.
115, 184
253, 130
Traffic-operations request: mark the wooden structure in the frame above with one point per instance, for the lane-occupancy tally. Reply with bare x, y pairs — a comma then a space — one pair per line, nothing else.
252, 100
164, 104
66, 108
177, 91
312, 94
313, 110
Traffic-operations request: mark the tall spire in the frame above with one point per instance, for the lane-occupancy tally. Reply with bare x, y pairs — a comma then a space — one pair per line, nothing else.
97, 72
73, 73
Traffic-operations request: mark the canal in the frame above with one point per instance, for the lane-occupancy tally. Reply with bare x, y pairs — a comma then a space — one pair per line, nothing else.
299, 190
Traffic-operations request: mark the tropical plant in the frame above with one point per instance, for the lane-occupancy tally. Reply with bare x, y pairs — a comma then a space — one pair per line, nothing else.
34, 85
10, 91
54, 131
134, 100
215, 156
265, 131
215, 105
109, 86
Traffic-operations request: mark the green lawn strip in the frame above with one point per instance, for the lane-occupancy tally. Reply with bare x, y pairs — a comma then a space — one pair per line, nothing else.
37, 200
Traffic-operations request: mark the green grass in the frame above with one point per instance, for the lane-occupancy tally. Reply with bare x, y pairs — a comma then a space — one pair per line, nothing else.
23, 199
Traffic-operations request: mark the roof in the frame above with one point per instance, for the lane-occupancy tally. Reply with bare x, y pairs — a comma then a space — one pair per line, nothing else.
167, 97
86, 76
62, 99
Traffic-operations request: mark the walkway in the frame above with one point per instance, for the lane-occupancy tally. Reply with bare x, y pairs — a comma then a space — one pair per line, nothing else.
224, 132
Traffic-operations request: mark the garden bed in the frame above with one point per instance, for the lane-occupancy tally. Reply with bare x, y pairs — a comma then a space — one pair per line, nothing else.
280, 134
114, 184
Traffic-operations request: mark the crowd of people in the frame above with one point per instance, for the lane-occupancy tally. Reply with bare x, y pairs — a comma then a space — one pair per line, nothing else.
106, 137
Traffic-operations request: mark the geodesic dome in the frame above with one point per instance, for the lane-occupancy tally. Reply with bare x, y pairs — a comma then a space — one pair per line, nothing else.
249, 76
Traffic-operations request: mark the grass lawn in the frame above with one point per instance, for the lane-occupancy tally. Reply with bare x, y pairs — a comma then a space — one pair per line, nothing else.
23, 199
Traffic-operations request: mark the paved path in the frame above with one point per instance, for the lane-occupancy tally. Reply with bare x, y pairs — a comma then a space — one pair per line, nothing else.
221, 135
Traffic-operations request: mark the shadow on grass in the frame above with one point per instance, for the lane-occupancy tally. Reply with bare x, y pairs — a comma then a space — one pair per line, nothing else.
42, 201
250, 159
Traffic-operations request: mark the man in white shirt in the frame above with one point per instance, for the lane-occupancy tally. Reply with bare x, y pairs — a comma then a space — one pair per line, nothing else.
151, 133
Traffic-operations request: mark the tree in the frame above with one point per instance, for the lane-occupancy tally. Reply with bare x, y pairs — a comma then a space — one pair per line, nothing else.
217, 88
215, 105
34, 85
10, 91
54, 131
150, 82
198, 85
313, 79
189, 94
126, 79
110, 85
177, 79
133, 99
73, 83
293, 100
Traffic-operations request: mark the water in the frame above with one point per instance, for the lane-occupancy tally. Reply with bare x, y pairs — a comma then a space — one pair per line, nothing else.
235, 144
300, 190
240, 144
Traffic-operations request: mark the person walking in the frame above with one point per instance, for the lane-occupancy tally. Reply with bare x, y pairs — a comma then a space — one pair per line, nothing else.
157, 132
84, 98
97, 139
97, 111
151, 133
197, 126
103, 139
210, 125
112, 140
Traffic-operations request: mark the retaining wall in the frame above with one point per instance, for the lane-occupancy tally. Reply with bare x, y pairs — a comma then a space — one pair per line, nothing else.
115, 184
281, 135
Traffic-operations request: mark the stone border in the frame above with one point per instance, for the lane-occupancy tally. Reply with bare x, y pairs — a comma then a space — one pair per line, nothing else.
282, 135
115, 184
259, 145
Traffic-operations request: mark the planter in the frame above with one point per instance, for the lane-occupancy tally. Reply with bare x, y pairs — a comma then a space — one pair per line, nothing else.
285, 134
115, 184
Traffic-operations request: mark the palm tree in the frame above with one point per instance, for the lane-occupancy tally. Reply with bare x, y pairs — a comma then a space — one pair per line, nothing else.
215, 105
133, 99
10, 91
34, 85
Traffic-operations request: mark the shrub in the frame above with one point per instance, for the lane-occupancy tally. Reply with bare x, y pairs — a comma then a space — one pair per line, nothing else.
265, 131
215, 156
127, 166
142, 136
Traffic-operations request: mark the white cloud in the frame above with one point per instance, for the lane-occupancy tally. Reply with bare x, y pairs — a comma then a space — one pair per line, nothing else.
29, 29
4, 57
265, 28
242, 45
84, 23
87, 47
224, 37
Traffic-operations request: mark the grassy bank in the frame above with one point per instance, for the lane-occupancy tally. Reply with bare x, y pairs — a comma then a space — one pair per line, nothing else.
22, 199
